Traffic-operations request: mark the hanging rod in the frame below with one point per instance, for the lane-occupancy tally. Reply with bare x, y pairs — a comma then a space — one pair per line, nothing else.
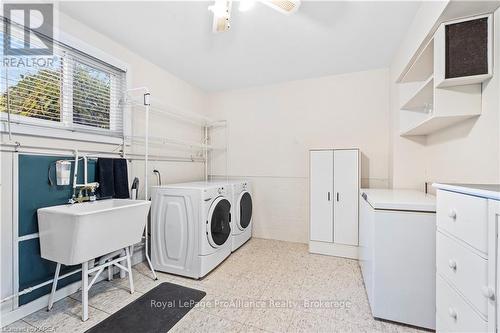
19, 148
199, 147
159, 158
170, 141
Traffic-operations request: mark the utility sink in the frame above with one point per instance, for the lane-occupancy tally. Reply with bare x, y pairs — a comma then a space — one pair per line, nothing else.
74, 234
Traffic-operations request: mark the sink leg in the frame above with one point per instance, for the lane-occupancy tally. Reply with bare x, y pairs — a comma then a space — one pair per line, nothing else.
129, 268
146, 252
151, 267
54, 287
110, 272
85, 291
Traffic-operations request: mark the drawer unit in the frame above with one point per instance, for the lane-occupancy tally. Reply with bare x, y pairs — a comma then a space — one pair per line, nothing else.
464, 269
453, 314
465, 217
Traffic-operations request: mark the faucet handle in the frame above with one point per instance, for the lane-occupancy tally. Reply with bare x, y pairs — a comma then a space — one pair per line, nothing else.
92, 196
92, 186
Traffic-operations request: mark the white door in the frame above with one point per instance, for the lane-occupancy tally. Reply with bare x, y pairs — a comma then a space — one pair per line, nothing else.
321, 195
346, 195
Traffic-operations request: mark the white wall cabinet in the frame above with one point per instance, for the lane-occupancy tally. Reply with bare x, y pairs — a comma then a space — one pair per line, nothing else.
445, 78
334, 195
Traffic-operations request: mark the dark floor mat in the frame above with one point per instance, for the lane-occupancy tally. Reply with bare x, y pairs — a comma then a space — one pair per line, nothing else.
156, 311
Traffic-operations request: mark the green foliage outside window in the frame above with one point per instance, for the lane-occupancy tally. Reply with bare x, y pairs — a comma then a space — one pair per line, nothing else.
39, 95
35, 95
91, 97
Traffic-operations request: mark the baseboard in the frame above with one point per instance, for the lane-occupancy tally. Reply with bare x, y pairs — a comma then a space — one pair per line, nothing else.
40, 303
333, 249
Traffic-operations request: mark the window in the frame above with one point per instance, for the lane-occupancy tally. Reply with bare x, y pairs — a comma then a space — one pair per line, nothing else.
69, 90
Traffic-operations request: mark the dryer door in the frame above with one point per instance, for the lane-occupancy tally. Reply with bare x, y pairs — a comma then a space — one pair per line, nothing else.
218, 223
244, 210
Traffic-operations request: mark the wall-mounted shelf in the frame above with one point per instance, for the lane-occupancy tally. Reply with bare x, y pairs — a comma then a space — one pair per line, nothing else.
170, 141
174, 112
423, 66
447, 107
433, 124
440, 97
423, 97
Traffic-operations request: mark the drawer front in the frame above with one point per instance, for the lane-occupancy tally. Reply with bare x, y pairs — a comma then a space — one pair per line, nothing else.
467, 271
465, 217
453, 314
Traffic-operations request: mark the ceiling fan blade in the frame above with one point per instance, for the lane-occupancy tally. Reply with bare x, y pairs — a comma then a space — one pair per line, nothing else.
283, 6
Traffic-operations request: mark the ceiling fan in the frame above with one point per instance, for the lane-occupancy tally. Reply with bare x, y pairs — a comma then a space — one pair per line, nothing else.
222, 10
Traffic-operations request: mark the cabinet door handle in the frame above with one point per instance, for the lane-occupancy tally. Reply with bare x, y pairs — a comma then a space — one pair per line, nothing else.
338, 197
329, 196
488, 292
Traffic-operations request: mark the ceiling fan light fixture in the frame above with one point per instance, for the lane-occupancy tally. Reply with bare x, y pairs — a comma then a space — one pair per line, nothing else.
283, 6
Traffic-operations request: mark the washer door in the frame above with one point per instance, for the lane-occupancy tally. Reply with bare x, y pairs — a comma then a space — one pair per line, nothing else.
218, 223
244, 210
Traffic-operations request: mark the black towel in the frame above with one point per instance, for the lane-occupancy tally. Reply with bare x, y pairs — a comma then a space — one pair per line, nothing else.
105, 178
120, 175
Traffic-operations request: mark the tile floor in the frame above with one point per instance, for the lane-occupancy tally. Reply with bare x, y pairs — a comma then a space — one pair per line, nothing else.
260, 288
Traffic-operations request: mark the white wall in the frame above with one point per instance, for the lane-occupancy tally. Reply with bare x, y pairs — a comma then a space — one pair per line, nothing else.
163, 86
272, 128
465, 153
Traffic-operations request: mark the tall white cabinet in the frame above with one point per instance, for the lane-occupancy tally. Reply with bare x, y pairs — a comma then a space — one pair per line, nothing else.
334, 195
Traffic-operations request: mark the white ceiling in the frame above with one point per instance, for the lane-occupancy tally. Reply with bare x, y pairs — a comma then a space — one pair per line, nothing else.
262, 47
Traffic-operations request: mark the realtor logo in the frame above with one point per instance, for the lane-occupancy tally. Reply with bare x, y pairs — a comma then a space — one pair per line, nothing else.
36, 25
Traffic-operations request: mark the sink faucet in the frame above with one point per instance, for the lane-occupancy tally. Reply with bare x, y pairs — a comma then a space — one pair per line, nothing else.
85, 187
89, 196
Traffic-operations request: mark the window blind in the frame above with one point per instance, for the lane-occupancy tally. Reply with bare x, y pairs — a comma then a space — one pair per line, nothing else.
70, 90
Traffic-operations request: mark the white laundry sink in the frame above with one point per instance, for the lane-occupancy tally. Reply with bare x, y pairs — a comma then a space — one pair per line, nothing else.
77, 233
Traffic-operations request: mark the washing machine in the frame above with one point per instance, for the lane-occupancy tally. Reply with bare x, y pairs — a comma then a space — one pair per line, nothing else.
190, 228
242, 213
240, 194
